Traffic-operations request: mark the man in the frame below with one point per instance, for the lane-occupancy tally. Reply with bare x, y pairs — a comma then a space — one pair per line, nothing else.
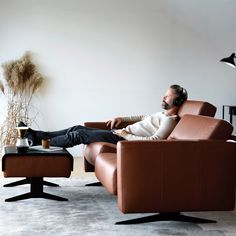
146, 127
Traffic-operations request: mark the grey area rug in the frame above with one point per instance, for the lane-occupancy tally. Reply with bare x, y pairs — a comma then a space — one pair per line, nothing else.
91, 211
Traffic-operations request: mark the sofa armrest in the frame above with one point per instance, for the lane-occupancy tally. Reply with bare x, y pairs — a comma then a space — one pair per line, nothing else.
97, 125
173, 176
102, 125
91, 151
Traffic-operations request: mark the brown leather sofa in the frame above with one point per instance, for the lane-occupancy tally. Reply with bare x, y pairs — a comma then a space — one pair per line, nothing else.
193, 170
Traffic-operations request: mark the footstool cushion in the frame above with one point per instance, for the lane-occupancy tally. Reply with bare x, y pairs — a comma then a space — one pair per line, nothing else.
37, 166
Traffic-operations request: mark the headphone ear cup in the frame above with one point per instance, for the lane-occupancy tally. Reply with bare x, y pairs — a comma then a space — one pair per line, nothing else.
178, 101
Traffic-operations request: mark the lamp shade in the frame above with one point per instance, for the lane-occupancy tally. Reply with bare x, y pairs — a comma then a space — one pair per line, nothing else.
229, 60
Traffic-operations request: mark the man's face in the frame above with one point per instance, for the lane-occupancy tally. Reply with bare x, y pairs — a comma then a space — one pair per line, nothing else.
167, 101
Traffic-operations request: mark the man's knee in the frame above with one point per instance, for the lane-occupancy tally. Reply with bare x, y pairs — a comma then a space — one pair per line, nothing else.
79, 136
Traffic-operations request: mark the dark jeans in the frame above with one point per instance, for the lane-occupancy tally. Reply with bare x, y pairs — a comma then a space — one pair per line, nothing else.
78, 135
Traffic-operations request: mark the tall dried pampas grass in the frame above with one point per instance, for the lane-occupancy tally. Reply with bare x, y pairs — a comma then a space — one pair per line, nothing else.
21, 81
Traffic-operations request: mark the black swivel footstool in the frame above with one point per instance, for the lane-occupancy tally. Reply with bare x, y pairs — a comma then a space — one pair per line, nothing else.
34, 166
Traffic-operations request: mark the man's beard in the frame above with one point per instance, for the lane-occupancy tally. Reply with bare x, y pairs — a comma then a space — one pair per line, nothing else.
165, 105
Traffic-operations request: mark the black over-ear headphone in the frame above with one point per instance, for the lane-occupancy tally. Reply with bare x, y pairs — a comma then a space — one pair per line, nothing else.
182, 96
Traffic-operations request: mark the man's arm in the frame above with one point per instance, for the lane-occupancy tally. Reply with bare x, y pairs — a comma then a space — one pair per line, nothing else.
163, 132
116, 121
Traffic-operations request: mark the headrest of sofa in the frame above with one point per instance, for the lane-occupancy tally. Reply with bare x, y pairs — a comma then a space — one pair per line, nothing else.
201, 127
197, 108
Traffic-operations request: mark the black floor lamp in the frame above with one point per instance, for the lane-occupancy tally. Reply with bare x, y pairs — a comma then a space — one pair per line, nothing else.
232, 109
229, 60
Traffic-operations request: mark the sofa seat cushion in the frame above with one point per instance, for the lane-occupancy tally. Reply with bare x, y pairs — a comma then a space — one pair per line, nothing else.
192, 127
93, 149
106, 171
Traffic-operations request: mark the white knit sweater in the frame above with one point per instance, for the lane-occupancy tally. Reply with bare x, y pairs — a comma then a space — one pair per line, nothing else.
150, 127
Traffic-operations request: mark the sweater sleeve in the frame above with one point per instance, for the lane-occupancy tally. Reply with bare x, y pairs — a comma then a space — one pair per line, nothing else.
134, 118
163, 132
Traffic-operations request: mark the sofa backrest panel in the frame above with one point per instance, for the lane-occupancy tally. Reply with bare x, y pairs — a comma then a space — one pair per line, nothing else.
201, 127
197, 108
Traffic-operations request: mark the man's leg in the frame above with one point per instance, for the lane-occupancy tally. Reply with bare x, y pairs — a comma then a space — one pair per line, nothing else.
36, 135
84, 136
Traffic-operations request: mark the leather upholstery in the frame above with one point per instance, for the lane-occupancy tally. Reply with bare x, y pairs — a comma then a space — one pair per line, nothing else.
102, 125
94, 149
174, 176
201, 127
37, 166
197, 108
106, 171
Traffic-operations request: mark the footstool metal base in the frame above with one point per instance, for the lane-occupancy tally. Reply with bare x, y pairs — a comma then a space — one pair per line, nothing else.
36, 191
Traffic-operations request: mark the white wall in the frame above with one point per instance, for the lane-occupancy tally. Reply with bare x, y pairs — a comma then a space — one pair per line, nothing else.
103, 58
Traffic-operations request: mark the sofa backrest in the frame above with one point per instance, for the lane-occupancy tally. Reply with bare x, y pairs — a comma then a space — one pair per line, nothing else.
197, 108
201, 127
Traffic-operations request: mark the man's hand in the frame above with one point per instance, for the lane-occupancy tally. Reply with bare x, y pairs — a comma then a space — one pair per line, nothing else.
114, 122
121, 132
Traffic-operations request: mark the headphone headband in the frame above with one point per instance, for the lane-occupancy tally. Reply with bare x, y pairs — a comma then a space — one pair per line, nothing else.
181, 96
